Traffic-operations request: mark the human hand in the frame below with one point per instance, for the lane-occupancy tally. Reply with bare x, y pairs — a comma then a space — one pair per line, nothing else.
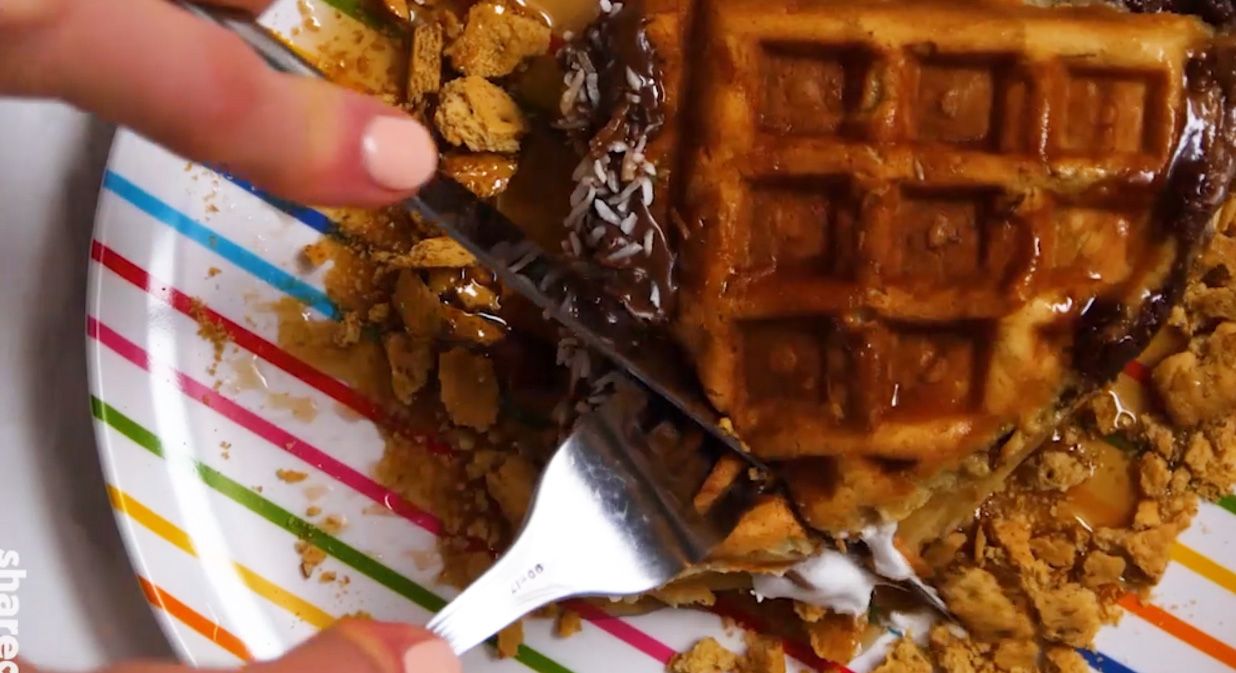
197, 89
350, 646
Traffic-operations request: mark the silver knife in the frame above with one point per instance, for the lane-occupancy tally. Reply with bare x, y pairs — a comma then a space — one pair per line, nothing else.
562, 289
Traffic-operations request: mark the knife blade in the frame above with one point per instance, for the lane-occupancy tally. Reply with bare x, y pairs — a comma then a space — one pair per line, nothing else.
562, 288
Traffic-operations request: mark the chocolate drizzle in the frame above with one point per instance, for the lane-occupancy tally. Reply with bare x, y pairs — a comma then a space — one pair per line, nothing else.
612, 107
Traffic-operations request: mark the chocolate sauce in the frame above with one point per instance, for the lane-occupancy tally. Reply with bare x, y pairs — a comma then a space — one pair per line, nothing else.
1217, 12
1110, 333
628, 114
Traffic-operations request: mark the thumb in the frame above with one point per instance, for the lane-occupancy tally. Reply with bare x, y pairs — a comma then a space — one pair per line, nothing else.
366, 646
200, 91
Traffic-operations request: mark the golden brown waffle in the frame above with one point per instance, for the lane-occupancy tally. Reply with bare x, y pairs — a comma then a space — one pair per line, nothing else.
919, 231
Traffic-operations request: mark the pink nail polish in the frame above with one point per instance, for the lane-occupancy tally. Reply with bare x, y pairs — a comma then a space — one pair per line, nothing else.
398, 153
431, 656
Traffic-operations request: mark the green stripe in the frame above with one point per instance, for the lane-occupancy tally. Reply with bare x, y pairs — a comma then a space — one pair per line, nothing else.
303, 529
361, 11
1228, 502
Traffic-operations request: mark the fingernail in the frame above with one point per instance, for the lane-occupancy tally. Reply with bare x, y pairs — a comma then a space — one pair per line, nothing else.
399, 154
431, 656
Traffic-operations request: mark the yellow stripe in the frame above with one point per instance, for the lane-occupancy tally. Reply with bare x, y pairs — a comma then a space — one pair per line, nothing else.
1204, 567
259, 585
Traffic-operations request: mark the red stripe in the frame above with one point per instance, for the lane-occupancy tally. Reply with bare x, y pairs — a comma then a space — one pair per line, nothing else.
797, 649
1138, 372
321, 382
265, 429
624, 632
327, 385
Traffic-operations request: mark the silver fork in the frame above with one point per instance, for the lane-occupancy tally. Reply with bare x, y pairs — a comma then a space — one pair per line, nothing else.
611, 516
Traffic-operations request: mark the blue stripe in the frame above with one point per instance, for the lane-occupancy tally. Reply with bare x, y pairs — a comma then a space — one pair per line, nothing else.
212, 240
313, 218
1102, 663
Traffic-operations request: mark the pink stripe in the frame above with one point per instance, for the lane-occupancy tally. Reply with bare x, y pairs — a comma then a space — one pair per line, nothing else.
265, 429
344, 474
624, 632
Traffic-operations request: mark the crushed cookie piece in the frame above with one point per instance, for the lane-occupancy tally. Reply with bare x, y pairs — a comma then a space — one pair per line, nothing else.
686, 591
975, 596
1058, 471
425, 62
1016, 655
485, 174
763, 655
333, 523
311, 556
834, 636
350, 329
495, 40
906, 657
809, 613
1065, 660
479, 115
313, 510
510, 639
317, 253
440, 252
1147, 515
1100, 569
411, 361
418, 307
568, 623
1055, 551
379, 313
1200, 384
1069, 614
326, 576
510, 485
291, 476
1153, 474
1151, 549
705, 656
469, 388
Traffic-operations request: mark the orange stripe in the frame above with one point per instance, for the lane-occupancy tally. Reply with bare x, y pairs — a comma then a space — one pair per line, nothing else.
1186, 633
194, 619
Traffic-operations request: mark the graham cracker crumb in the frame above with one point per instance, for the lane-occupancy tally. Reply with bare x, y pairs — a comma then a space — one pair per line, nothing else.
1101, 569
906, 657
980, 604
311, 557
411, 363
1200, 384
469, 388
440, 252
317, 253
1069, 614
705, 656
495, 40
425, 61
763, 655
1066, 660
568, 623
509, 640
834, 636
485, 174
291, 476
510, 485
1059, 471
479, 115
418, 307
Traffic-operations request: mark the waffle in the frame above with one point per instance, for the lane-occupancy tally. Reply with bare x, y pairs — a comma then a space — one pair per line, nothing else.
916, 234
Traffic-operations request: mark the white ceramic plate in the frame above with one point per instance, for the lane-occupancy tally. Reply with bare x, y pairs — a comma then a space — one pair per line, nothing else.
211, 531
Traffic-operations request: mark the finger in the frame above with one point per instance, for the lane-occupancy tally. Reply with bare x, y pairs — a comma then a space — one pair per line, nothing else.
366, 646
201, 92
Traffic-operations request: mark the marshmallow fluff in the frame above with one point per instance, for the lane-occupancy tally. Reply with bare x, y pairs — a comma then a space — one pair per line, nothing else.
829, 579
838, 581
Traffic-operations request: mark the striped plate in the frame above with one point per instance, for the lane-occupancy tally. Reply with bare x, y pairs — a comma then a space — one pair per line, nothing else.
211, 531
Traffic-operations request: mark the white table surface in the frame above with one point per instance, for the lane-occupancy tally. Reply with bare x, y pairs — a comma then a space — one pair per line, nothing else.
79, 604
